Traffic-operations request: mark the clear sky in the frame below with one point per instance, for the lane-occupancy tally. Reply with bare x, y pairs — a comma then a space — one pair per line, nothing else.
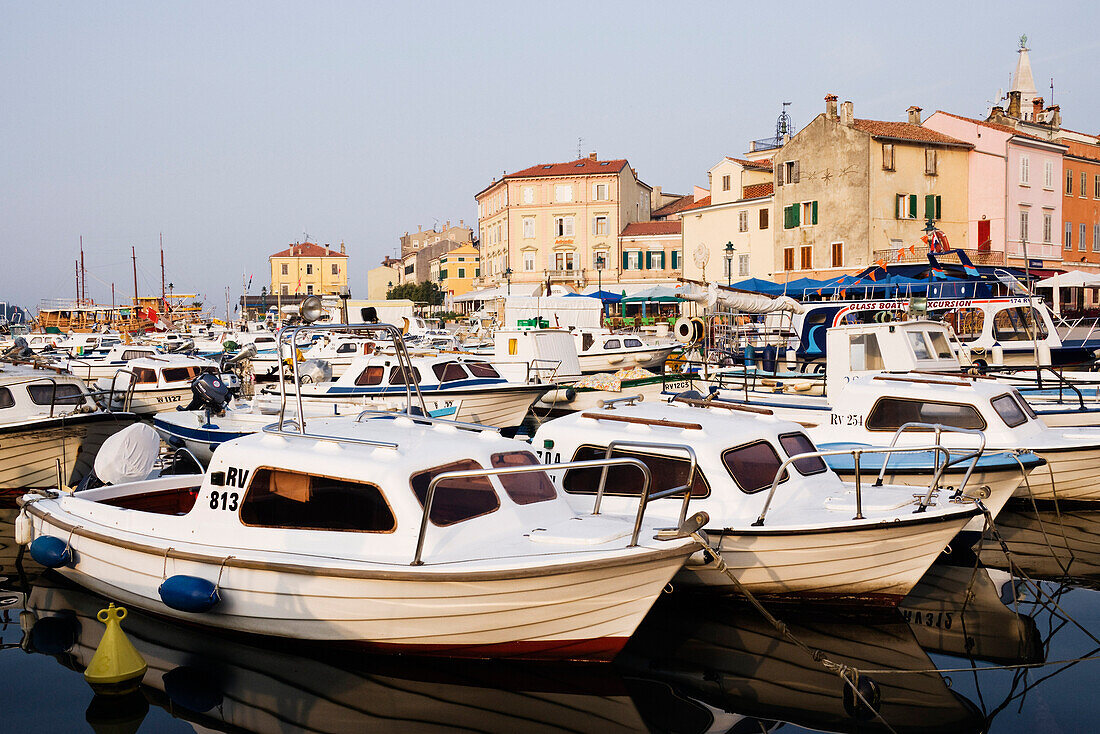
236, 128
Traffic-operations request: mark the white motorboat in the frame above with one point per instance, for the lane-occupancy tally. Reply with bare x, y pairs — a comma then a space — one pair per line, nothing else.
601, 350
819, 539
50, 429
91, 368
150, 385
471, 389
400, 533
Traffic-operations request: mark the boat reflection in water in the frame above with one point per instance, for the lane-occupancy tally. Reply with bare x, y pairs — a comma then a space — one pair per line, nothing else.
1051, 544
726, 661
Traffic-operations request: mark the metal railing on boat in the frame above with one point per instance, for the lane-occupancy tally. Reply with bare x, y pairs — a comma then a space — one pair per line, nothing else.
939, 429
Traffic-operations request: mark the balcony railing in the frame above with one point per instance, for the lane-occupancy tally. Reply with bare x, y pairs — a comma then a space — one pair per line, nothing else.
920, 255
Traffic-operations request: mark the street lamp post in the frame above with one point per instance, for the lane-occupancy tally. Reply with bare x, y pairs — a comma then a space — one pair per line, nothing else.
508, 279
600, 263
729, 263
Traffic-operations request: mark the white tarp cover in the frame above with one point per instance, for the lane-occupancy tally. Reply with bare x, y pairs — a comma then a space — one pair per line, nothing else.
128, 456
560, 311
744, 302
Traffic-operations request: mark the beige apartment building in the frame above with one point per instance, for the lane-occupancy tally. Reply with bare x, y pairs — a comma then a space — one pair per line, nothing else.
310, 269
420, 249
850, 192
555, 222
728, 235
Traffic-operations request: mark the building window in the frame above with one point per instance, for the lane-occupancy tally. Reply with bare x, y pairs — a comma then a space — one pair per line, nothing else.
788, 258
1069, 182
309, 269
743, 221
838, 254
528, 261
599, 192
285, 269
809, 213
806, 257
1084, 184
1025, 170
932, 206
599, 225
309, 290
930, 162
335, 269
743, 266
726, 182
528, 194
632, 260
461, 273
888, 156
1096, 187
1023, 224
905, 206
1068, 242
563, 193
764, 217
286, 290
1048, 227
1096, 238
1081, 238
528, 228
1048, 175
790, 172
563, 226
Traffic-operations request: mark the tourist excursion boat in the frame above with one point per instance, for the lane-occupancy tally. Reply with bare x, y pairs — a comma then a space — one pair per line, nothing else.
50, 428
398, 532
785, 524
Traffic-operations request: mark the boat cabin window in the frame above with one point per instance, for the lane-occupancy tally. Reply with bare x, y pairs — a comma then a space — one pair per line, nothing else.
527, 488
182, 374
482, 369
346, 348
665, 472
1018, 324
753, 466
449, 371
798, 443
918, 345
1025, 404
145, 375
940, 346
632, 342
264, 340
456, 499
397, 375
371, 376
7, 400
611, 344
586, 341
43, 394
864, 352
1009, 410
134, 354
968, 323
890, 414
286, 499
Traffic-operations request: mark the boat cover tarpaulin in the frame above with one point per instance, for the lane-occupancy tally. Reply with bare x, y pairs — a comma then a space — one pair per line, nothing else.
129, 455
743, 302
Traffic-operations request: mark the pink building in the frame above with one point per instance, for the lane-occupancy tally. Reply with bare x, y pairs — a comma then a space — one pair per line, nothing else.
1015, 191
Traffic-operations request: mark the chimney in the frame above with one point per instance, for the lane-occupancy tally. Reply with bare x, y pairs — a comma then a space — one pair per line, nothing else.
419, 228
1037, 109
1014, 104
343, 250
830, 106
997, 114
914, 115
752, 146
592, 156
846, 113
461, 223
1054, 116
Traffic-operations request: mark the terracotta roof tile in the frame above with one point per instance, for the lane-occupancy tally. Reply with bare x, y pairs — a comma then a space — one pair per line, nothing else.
644, 229
763, 165
905, 131
580, 167
705, 201
993, 125
1082, 150
674, 206
308, 249
755, 191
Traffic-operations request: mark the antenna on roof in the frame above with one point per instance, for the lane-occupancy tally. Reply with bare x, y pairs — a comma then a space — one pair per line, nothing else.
580, 147
306, 235
1052, 91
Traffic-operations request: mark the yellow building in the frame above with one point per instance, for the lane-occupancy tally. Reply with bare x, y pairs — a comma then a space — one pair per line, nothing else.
554, 222
851, 192
457, 269
308, 269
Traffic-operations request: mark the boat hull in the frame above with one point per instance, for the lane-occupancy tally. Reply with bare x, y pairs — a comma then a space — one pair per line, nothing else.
29, 456
570, 611
1071, 475
874, 563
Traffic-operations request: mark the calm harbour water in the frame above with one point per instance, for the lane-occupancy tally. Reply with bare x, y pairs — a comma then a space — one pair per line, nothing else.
700, 663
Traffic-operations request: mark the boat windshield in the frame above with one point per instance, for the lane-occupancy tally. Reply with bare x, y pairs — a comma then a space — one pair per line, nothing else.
66, 394
753, 465
456, 500
665, 472
526, 488
1009, 410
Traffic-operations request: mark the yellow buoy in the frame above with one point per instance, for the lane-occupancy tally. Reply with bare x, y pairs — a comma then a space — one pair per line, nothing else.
116, 667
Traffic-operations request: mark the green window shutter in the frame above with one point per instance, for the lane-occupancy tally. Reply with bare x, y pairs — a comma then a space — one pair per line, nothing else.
929, 206
675, 259
648, 260
477, 272
624, 260
939, 211
897, 209
815, 212
912, 206
662, 266
786, 217
795, 215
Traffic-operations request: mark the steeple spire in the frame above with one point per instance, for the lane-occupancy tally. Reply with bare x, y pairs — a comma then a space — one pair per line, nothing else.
1023, 81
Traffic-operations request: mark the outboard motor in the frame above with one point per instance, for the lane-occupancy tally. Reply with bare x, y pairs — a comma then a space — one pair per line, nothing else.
208, 392
313, 371
19, 349
248, 352
182, 347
